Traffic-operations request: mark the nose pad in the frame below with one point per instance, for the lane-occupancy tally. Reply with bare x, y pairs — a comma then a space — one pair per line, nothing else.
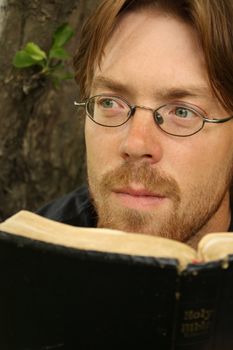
132, 111
158, 118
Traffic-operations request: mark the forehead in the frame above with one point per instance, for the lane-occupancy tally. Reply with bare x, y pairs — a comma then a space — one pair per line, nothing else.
155, 49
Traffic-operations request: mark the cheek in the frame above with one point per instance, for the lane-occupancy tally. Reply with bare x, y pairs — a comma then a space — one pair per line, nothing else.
216, 152
201, 159
102, 147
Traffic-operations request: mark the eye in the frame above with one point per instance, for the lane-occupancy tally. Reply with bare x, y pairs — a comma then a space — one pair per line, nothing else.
108, 103
183, 112
177, 115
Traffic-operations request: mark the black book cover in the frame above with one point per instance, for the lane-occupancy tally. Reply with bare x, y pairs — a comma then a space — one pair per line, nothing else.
54, 297
58, 298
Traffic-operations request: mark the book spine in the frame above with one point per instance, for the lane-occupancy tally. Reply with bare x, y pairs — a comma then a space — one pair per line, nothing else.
197, 308
223, 329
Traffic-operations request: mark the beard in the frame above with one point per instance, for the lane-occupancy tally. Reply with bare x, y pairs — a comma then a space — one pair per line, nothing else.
180, 220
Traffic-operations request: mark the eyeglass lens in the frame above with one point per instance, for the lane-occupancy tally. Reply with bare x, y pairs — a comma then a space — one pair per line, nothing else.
174, 118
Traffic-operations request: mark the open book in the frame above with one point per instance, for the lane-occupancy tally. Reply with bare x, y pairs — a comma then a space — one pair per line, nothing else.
212, 247
65, 287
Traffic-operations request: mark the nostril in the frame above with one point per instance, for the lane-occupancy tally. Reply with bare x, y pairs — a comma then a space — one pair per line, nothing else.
131, 155
158, 118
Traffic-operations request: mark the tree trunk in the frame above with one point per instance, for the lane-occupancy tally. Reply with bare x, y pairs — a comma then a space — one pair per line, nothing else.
42, 153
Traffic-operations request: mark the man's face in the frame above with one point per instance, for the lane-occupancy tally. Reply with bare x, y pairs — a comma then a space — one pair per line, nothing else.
142, 179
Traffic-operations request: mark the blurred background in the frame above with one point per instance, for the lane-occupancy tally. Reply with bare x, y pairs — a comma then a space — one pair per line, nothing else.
42, 152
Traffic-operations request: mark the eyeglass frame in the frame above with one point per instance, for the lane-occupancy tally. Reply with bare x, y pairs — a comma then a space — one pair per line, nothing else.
133, 107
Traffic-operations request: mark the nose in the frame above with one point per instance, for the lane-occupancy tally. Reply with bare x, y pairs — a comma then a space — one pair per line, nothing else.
142, 137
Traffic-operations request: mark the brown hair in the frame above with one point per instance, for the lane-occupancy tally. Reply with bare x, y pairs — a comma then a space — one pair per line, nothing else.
212, 20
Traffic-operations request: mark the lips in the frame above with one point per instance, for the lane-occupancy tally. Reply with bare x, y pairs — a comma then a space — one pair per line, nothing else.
138, 192
139, 199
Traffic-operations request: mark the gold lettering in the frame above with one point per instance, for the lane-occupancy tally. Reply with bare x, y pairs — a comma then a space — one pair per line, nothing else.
194, 327
202, 313
196, 321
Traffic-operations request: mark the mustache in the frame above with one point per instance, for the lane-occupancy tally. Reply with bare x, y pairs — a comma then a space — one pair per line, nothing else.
153, 180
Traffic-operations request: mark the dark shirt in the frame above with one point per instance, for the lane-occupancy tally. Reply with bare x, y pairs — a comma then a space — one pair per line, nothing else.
76, 209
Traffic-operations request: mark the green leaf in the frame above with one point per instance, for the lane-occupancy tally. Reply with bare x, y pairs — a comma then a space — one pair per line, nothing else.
67, 76
22, 60
57, 79
35, 52
59, 53
61, 74
62, 35
56, 83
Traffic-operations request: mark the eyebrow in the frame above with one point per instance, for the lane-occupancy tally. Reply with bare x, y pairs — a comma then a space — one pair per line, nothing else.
103, 82
170, 93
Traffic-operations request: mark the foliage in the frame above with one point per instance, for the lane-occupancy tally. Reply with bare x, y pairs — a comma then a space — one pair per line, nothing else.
51, 63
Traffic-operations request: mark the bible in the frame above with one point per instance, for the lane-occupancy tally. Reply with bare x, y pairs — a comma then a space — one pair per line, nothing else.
65, 287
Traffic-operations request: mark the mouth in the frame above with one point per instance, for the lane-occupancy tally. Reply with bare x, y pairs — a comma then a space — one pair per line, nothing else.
139, 198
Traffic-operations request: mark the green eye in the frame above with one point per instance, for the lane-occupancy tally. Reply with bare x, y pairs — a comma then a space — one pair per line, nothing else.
107, 103
182, 112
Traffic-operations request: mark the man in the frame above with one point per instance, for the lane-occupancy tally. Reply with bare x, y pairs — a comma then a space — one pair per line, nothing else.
156, 81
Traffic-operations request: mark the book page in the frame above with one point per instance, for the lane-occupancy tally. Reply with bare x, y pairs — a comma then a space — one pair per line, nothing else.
215, 246
33, 226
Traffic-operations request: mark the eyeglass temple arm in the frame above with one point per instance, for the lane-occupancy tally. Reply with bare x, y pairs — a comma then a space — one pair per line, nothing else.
81, 104
218, 121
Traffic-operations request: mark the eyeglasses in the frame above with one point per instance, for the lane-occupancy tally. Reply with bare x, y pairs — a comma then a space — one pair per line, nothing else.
177, 119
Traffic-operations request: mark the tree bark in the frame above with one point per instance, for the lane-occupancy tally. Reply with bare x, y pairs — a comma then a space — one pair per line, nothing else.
42, 152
